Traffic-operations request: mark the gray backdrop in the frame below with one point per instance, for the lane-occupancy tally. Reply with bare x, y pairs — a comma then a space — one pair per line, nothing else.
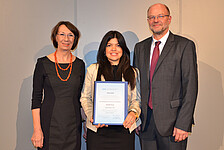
25, 28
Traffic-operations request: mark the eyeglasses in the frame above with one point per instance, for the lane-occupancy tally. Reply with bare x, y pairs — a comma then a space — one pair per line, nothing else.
62, 35
158, 17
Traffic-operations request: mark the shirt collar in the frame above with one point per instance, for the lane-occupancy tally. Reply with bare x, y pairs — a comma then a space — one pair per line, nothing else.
162, 40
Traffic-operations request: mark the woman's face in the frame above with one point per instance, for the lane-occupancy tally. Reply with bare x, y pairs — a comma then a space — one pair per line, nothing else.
65, 38
113, 51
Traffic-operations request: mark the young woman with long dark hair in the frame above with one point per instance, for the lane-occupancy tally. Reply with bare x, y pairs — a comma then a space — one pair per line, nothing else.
113, 64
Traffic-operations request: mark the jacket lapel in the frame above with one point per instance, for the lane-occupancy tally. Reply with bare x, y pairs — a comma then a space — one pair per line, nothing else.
147, 48
165, 51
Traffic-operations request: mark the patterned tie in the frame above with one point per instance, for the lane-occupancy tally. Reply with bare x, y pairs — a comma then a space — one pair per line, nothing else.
155, 57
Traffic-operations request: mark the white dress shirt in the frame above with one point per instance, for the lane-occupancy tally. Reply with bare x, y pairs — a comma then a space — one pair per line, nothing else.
161, 45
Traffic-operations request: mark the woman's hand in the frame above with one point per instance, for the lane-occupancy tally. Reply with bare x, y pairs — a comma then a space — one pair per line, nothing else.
37, 138
130, 120
99, 125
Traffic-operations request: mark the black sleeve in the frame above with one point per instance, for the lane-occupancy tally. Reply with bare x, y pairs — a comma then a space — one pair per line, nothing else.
82, 77
38, 83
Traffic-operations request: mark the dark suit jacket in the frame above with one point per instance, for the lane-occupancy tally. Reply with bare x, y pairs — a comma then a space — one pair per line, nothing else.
174, 83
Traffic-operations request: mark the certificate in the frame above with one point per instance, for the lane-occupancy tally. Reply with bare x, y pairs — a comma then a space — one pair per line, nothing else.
110, 102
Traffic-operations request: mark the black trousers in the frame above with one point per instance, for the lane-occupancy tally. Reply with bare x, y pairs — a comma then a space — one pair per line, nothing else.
150, 139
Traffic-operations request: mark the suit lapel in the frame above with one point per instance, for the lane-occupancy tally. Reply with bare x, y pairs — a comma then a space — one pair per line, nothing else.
166, 49
147, 48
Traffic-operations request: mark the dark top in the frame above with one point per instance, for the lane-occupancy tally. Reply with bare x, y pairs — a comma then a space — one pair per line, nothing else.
118, 77
60, 109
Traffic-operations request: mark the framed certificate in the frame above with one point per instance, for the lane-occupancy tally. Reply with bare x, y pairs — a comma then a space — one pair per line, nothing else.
110, 102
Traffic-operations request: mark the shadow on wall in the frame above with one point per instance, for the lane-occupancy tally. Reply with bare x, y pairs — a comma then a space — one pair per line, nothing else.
131, 39
208, 131
90, 53
24, 117
24, 123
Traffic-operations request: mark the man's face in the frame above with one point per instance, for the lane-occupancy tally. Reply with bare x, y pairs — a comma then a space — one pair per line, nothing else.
158, 19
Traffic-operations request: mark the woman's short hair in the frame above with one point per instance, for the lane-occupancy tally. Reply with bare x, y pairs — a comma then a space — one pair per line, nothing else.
71, 27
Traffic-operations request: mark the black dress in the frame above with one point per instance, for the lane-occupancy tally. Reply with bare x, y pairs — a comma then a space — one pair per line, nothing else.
60, 109
113, 137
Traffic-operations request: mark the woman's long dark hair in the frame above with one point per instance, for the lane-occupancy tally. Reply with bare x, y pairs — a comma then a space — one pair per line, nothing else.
124, 66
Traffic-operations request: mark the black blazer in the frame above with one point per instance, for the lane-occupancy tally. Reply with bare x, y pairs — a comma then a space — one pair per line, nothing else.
174, 83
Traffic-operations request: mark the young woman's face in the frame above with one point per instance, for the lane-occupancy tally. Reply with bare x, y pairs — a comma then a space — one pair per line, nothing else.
113, 51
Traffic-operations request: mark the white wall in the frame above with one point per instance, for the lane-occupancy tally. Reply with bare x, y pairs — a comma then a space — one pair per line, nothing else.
25, 28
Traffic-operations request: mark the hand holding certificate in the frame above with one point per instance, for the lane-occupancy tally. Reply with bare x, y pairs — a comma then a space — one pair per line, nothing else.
110, 102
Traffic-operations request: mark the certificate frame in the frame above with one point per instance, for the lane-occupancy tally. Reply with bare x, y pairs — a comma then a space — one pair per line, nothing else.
110, 102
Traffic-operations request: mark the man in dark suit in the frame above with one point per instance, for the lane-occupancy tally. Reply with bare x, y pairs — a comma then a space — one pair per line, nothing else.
169, 84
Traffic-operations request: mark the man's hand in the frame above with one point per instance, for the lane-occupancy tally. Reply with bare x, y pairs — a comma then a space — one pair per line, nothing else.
179, 134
